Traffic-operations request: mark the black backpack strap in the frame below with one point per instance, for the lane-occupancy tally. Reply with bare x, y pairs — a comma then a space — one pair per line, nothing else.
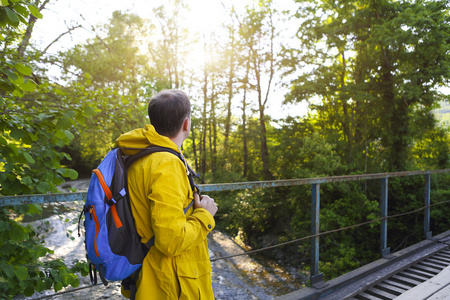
129, 160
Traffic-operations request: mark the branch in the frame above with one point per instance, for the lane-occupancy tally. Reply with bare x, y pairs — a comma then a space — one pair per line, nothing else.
31, 21
93, 30
60, 36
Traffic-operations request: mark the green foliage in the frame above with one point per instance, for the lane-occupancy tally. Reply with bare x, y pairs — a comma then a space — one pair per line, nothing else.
442, 114
440, 192
111, 74
374, 68
432, 150
22, 271
34, 126
32, 134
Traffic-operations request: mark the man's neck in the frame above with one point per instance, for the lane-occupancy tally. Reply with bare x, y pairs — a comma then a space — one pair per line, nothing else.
178, 140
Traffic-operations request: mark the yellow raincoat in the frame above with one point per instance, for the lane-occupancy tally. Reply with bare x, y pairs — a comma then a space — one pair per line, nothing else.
178, 265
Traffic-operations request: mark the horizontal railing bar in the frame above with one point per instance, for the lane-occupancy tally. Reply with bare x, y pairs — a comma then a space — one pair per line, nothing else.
304, 181
67, 197
42, 198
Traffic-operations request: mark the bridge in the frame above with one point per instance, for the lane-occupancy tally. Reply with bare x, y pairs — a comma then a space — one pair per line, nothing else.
421, 270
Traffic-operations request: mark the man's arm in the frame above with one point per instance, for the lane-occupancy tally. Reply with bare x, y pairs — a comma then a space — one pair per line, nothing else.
174, 233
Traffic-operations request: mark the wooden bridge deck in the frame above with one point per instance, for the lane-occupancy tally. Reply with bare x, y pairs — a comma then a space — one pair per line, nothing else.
421, 271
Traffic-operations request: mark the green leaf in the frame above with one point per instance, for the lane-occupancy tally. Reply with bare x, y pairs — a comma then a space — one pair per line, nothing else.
64, 123
21, 273
33, 136
17, 134
6, 85
8, 270
27, 140
79, 118
21, 10
3, 141
58, 286
14, 149
29, 158
34, 209
70, 114
29, 85
48, 176
75, 283
72, 174
11, 75
29, 291
2, 177
12, 16
43, 187
18, 232
17, 93
68, 134
89, 111
5, 2
34, 11
4, 226
27, 180
43, 116
40, 286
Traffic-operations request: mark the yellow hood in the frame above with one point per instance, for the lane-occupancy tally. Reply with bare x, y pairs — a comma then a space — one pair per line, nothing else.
142, 138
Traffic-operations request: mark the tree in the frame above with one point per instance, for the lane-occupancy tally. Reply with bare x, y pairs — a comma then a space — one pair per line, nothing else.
34, 125
257, 32
168, 51
375, 67
107, 73
230, 54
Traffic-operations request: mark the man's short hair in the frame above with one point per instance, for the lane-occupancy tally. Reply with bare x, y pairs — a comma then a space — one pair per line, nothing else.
167, 111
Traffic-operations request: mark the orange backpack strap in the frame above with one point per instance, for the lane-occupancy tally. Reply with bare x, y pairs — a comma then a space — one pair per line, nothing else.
111, 202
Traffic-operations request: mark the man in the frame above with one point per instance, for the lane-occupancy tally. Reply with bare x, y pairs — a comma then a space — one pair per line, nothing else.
178, 265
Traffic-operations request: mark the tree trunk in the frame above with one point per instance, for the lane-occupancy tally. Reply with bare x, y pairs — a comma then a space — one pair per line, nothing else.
214, 133
230, 97
31, 21
267, 175
204, 127
244, 133
396, 119
194, 148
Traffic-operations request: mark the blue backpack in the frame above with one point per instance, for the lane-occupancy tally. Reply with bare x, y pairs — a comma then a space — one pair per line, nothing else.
113, 246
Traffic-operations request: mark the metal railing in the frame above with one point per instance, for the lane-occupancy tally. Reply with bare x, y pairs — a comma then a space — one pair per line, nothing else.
316, 276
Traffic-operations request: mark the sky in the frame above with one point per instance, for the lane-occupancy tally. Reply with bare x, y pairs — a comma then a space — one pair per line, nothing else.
60, 15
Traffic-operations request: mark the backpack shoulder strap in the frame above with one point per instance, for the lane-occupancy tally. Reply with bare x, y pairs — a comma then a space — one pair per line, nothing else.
129, 160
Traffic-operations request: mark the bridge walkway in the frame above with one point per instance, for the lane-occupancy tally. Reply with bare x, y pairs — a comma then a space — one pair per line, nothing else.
421, 271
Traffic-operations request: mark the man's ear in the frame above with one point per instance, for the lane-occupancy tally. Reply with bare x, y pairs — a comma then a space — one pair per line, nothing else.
186, 125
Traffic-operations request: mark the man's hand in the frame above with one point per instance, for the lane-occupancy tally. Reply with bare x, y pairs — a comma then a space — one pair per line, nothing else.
205, 202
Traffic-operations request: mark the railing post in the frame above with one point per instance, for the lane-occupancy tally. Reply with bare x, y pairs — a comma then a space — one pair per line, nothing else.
426, 222
384, 205
316, 277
